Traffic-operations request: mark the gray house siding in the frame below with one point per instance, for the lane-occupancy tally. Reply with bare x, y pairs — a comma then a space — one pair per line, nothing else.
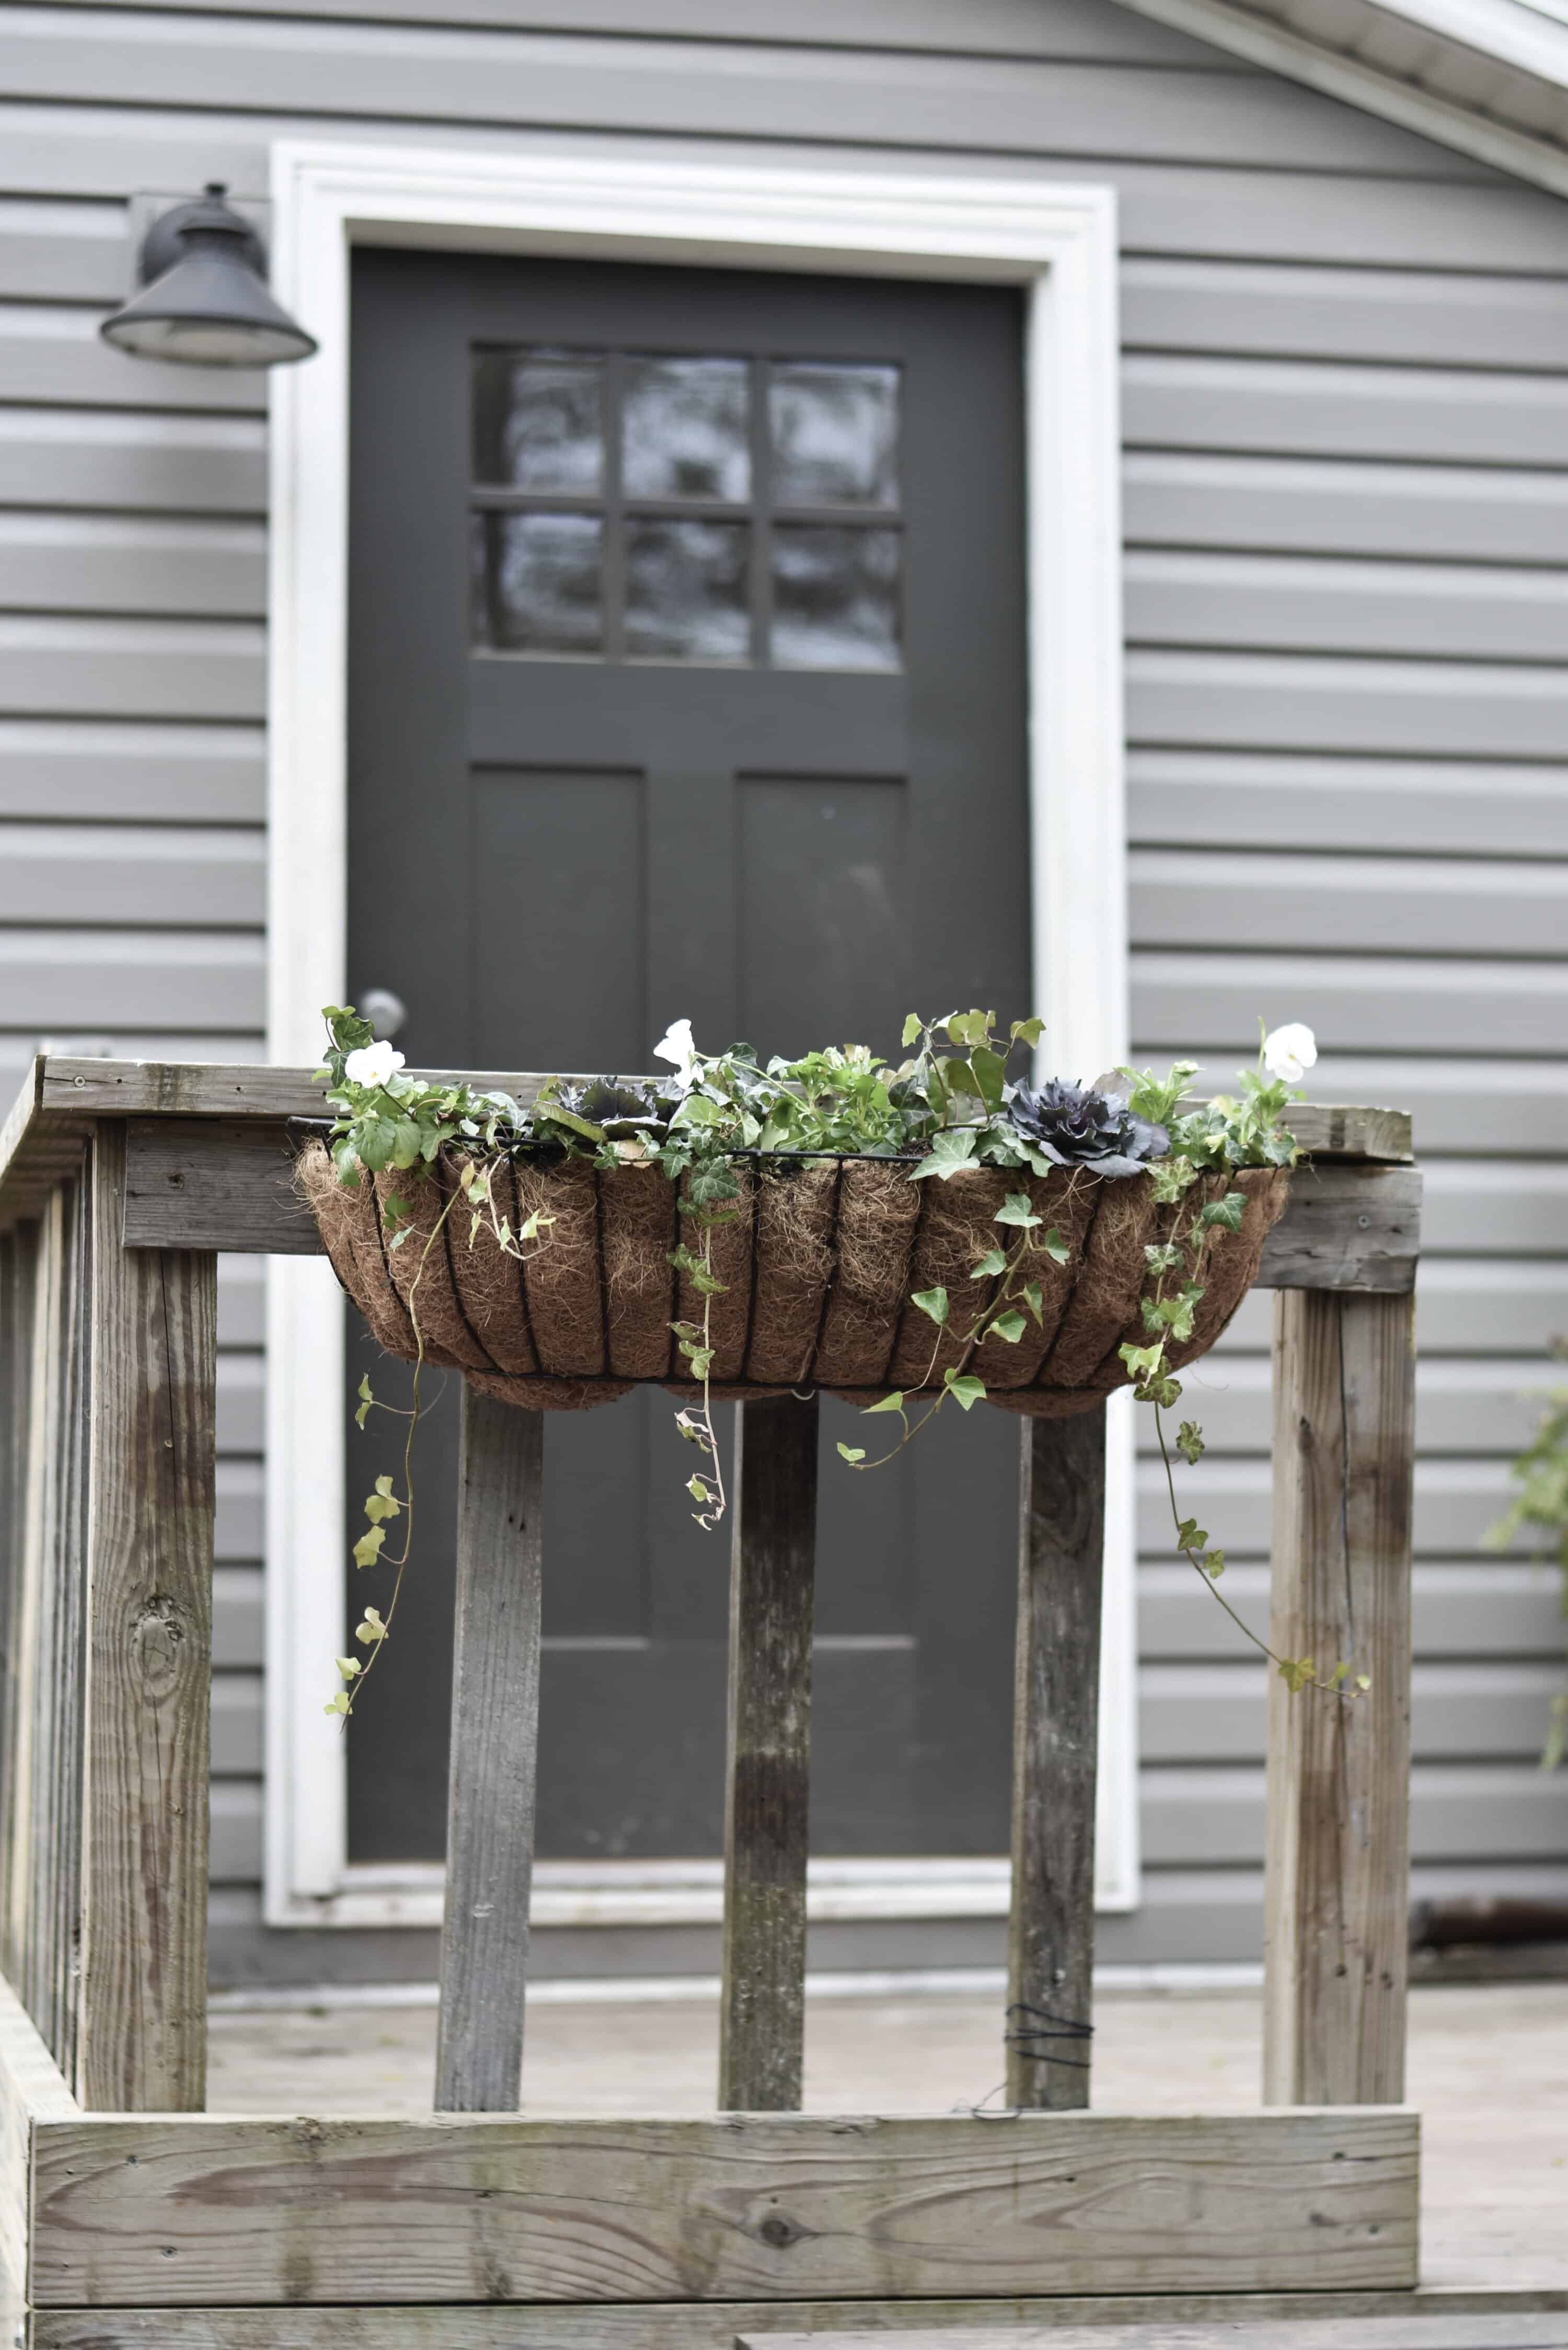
1347, 483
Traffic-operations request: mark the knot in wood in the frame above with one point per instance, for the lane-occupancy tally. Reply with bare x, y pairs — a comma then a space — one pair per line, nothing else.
778, 2231
156, 1635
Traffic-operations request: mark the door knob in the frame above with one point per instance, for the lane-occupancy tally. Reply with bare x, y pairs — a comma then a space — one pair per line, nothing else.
385, 1012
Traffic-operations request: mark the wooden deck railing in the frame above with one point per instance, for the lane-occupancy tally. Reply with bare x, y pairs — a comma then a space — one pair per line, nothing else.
119, 1184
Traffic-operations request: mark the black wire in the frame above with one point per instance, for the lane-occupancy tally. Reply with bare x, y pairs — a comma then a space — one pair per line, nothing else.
1033, 2037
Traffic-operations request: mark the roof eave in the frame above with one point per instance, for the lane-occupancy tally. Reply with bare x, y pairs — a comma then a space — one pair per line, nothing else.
1486, 77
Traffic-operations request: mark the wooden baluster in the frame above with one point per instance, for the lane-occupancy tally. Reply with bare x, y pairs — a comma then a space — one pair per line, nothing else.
1337, 1888
19, 1254
1056, 1735
153, 1323
494, 1759
767, 1797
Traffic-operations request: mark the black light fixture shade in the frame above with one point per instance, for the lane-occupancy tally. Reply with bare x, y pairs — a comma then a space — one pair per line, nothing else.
203, 299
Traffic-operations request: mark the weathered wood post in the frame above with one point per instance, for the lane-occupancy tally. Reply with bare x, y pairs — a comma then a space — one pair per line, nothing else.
492, 1776
1337, 1878
767, 1788
151, 1475
1055, 1743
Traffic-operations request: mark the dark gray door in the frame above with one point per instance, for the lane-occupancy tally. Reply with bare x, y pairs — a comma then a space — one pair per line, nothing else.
687, 677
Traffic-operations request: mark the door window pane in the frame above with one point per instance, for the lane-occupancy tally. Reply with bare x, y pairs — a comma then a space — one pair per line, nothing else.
539, 421
536, 586
686, 591
685, 430
836, 596
835, 434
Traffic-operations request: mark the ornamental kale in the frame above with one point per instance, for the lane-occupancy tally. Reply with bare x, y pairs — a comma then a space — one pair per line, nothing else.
1080, 1125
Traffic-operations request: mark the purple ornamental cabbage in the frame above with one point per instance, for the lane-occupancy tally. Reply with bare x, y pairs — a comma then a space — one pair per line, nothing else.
1085, 1126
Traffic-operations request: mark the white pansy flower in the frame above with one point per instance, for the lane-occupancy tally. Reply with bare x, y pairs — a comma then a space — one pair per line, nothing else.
676, 1045
1290, 1052
373, 1064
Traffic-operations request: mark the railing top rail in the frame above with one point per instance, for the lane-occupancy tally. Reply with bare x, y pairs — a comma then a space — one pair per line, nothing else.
62, 1097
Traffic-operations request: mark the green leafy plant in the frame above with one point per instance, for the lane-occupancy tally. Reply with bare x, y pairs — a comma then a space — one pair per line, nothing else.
962, 1097
1541, 1473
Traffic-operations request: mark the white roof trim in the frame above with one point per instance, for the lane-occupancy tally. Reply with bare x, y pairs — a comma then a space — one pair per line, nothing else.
1487, 77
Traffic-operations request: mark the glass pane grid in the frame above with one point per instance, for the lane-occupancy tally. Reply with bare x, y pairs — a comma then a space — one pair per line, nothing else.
687, 507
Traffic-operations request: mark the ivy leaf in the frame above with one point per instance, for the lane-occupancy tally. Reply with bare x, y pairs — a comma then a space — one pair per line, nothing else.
912, 1026
1163, 1257
894, 1402
709, 1183
1213, 1563
367, 1549
950, 1150
1034, 1301
1028, 1032
338, 1704
348, 1666
964, 1388
1189, 1442
990, 1265
376, 1142
1227, 1211
1015, 1210
1143, 1362
1010, 1325
931, 1302
694, 1430
365, 1400
989, 1071
699, 1491
1055, 1246
1189, 1535
371, 1627
1363, 1682
384, 1502
853, 1453
1296, 1672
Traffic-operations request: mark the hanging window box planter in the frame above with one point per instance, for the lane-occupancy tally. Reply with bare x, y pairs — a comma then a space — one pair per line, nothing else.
821, 1259
904, 1237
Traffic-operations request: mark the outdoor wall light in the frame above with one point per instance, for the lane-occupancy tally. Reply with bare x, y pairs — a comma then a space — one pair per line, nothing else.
203, 297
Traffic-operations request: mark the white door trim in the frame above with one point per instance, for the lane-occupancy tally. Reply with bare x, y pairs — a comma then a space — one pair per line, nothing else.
1059, 244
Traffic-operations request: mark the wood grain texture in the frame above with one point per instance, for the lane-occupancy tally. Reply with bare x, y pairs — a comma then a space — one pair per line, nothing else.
56, 1616
1433, 2329
1056, 1747
153, 1325
30, 2084
1346, 1228
767, 1788
494, 1758
1326, 2320
1337, 1864
784, 2206
44, 1615
191, 1183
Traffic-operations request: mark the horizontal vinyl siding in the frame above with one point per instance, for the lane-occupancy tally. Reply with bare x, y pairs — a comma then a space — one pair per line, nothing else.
1346, 487
1348, 654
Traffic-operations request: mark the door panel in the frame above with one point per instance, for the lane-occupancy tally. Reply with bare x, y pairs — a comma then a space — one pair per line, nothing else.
687, 677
